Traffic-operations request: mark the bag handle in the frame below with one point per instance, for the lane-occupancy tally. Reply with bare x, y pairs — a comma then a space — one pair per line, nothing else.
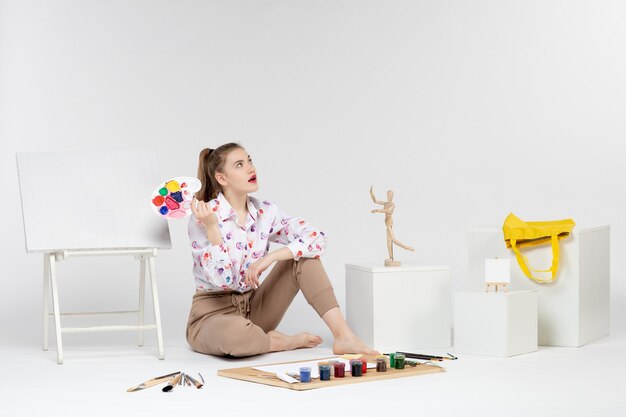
524, 264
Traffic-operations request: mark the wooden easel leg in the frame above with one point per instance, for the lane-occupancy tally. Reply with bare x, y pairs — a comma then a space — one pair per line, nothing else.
142, 297
55, 306
46, 299
157, 310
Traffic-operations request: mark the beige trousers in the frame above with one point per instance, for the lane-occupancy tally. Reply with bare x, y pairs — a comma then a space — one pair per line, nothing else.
236, 324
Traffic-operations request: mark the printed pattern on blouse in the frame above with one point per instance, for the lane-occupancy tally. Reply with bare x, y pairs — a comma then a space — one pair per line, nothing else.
222, 267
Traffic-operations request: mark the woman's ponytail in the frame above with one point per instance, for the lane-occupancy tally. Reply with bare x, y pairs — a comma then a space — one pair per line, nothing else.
211, 161
206, 191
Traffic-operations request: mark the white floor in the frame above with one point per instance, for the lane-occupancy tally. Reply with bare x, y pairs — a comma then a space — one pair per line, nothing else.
587, 381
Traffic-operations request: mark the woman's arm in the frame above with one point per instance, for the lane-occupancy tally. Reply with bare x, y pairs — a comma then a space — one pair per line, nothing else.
302, 239
213, 234
281, 254
208, 248
204, 214
255, 269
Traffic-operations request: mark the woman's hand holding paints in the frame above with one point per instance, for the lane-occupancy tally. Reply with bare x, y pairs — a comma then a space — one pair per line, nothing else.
204, 214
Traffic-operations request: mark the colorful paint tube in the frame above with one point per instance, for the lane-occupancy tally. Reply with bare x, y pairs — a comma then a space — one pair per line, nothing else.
305, 374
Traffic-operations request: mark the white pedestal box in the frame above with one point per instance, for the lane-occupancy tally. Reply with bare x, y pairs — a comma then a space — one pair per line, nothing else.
399, 308
574, 309
495, 324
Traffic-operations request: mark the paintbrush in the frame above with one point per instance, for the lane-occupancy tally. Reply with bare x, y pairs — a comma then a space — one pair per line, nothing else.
154, 381
427, 357
173, 382
197, 383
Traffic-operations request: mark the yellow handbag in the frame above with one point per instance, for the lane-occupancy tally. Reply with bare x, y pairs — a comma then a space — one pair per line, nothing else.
519, 234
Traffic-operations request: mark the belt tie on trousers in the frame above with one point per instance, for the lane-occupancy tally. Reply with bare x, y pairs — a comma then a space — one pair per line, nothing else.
242, 303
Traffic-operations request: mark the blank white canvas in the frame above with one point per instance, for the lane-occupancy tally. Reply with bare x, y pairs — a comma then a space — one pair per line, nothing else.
497, 270
90, 200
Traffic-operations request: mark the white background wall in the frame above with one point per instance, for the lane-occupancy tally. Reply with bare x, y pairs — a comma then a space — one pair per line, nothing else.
468, 110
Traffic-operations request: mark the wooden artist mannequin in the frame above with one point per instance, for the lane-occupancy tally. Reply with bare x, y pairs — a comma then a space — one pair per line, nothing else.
388, 208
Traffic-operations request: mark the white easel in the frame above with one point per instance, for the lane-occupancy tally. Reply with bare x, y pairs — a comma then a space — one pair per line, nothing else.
137, 234
497, 274
145, 256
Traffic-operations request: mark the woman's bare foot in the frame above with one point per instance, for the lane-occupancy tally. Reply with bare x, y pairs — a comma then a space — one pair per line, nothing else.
352, 344
345, 339
280, 341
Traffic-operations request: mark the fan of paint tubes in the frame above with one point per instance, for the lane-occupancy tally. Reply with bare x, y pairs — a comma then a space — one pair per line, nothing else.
172, 198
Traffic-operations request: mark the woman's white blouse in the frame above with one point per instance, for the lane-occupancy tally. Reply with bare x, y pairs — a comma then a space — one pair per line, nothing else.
222, 267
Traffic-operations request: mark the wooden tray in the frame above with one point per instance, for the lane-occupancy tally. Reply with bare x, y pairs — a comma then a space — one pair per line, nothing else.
254, 375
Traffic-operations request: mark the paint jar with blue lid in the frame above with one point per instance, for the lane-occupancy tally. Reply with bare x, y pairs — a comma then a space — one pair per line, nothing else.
324, 372
305, 374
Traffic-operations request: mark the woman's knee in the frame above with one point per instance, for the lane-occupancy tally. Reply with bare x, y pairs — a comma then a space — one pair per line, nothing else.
313, 270
237, 338
247, 340
309, 265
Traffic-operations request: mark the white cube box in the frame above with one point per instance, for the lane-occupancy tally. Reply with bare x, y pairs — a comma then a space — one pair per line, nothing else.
399, 308
573, 310
495, 324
